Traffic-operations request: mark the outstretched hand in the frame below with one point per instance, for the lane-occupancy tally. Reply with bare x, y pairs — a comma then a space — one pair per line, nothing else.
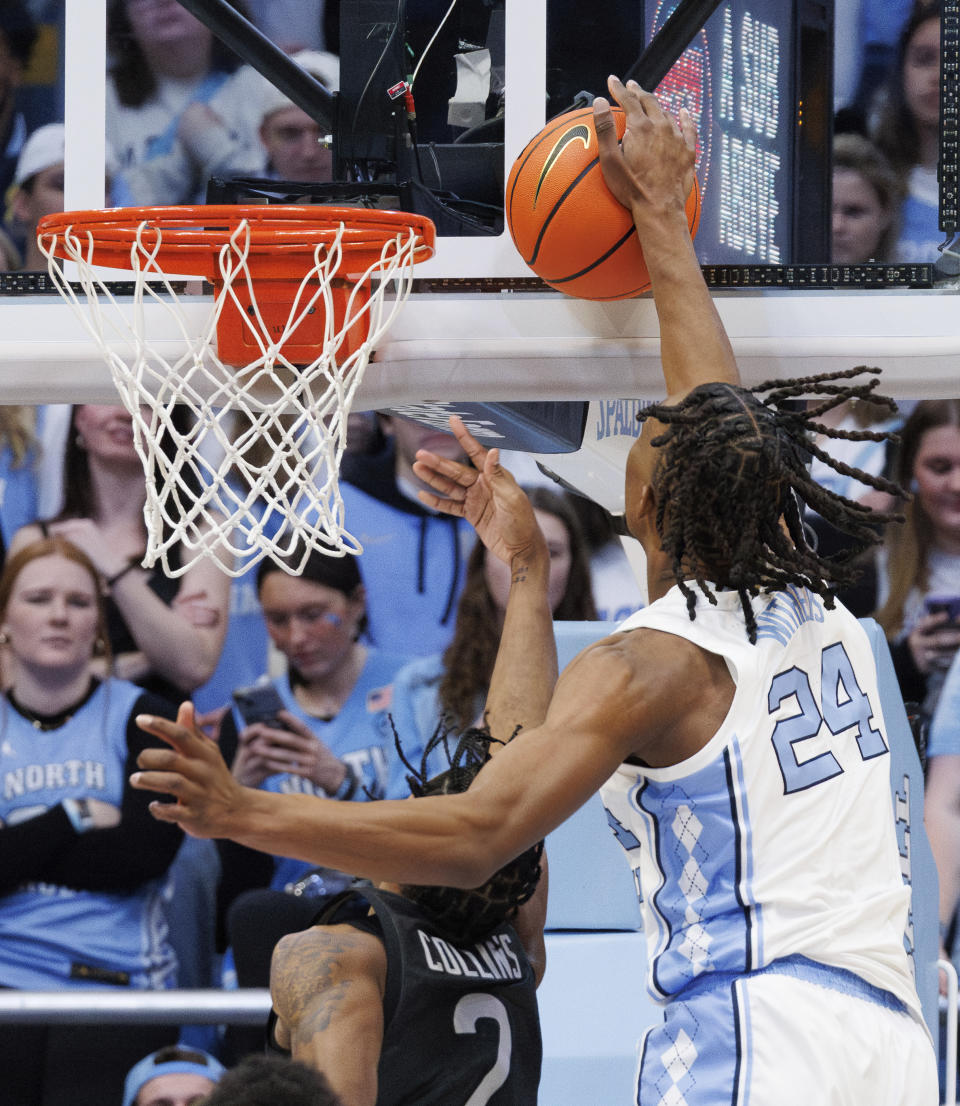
484, 493
650, 170
193, 771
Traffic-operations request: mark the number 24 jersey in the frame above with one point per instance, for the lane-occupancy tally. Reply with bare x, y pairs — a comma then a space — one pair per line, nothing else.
777, 838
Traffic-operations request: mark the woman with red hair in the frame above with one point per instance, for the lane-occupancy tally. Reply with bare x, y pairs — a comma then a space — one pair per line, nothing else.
81, 860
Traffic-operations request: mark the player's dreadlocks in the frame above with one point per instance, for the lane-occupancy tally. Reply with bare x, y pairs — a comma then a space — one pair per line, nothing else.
471, 914
732, 465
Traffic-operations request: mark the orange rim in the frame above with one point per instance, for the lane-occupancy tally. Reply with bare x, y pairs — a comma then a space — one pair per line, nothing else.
282, 237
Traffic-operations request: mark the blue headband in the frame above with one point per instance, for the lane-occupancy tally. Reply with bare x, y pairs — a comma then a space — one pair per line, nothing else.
148, 1068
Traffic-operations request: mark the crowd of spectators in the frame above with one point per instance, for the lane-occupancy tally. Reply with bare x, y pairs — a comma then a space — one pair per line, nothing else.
180, 108
409, 630
888, 74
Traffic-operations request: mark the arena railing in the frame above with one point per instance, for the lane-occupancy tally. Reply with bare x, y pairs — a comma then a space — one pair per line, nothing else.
246, 1006
250, 1006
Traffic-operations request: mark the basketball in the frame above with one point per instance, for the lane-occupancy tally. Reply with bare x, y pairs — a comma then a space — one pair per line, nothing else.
565, 221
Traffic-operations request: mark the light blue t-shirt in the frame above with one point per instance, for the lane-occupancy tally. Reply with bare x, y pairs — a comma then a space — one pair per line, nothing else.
18, 494
360, 735
944, 736
413, 566
245, 646
920, 235
47, 930
417, 713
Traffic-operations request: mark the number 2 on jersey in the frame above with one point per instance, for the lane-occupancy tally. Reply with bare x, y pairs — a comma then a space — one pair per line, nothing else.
843, 706
469, 1010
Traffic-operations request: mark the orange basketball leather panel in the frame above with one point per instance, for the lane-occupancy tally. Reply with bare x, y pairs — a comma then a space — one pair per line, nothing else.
565, 222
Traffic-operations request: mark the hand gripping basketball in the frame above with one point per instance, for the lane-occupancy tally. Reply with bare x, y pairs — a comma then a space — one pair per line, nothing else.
569, 227
651, 170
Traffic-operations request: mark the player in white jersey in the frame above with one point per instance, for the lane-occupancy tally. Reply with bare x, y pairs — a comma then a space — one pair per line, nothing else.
736, 722
739, 839
738, 850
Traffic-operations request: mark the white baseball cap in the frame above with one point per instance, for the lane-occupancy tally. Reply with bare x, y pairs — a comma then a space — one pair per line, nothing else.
325, 67
43, 148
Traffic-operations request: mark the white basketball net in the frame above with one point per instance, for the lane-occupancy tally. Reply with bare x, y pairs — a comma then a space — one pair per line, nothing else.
269, 488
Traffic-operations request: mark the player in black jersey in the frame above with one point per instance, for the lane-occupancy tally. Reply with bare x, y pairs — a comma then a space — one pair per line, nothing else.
431, 997
422, 998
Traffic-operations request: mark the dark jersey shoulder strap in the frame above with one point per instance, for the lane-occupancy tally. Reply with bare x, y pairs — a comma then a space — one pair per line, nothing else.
382, 924
351, 907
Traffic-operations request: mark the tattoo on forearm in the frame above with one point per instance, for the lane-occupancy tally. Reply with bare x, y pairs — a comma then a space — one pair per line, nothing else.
520, 573
317, 1017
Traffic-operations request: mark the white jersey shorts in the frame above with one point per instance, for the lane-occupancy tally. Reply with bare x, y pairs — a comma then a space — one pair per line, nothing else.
792, 1034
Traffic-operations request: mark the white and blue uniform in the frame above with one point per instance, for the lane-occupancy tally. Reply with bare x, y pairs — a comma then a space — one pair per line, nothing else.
768, 862
81, 909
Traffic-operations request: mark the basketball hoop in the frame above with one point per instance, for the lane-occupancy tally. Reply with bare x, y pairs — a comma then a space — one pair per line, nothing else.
294, 320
